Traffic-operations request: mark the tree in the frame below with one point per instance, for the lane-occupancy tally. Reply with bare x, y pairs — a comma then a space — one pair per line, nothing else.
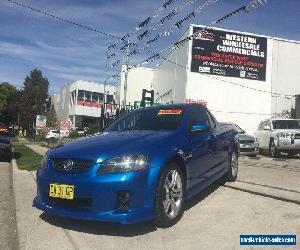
52, 118
34, 97
7, 95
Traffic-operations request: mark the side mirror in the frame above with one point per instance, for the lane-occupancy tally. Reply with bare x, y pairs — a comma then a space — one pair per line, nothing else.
267, 128
199, 127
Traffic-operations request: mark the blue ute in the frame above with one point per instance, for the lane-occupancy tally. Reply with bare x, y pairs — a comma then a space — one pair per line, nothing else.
141, 167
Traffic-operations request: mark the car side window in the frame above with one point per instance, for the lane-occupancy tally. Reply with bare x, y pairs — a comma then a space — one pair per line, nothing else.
198, 115
211, 120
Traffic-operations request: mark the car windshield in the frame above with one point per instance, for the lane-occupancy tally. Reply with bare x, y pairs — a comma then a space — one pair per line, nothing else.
240, 131
286, 124
149, 119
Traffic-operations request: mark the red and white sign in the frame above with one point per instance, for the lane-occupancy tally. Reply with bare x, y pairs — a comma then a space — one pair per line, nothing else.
202, 102
66, 126
90, 104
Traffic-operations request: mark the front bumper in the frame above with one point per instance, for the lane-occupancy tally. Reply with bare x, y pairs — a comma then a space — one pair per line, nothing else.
101, 192
249, 149
288, 144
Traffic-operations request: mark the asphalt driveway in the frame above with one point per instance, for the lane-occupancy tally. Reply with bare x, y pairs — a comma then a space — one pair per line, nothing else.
213, 220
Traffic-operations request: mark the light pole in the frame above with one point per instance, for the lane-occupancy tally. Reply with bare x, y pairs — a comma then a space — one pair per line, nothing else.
126, 73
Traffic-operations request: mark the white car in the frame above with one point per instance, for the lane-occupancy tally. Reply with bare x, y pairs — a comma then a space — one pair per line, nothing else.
279, 135
52, 134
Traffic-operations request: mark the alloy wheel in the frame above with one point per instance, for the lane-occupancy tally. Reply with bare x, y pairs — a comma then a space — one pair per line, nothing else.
173, 194
234, 164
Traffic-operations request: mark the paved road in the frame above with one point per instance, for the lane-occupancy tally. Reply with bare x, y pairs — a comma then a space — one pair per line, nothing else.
213, 220
8, 235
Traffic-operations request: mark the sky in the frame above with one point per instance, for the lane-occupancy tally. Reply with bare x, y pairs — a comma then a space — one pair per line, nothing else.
66, 52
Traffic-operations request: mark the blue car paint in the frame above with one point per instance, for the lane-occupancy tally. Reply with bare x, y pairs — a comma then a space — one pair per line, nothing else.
204, 159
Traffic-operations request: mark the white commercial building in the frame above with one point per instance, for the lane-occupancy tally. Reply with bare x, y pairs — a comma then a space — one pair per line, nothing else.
81, 102
241, 77
138, 79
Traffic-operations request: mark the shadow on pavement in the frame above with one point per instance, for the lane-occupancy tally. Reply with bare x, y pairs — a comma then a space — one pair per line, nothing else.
116, 229
4, 157
190, 203
99, 228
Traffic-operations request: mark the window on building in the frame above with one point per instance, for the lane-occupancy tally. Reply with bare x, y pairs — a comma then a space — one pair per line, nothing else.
109, 99
81, 95
88, 96
101, 97
95, 97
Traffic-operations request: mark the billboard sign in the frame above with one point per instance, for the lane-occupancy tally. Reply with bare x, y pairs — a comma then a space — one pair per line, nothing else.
65, 126
41, 122
230, 54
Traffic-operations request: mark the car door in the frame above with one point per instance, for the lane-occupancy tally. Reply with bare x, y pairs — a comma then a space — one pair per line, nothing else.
258, 134
222, 140
267, 134
201, 146
263, 136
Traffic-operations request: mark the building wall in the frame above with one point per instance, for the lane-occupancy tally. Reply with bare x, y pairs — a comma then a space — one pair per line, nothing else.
79, 110
63, 110
69, 110
286, 74
138, 79
170, 76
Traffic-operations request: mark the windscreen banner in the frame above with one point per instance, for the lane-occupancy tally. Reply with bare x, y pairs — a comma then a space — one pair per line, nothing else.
230, 54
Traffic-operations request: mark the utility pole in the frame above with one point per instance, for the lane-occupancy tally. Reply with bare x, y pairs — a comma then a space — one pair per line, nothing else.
104, 92
126, 72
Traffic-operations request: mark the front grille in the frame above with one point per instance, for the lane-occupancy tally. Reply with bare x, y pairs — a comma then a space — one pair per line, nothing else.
297, 136
79, 165
77, 203
246, 141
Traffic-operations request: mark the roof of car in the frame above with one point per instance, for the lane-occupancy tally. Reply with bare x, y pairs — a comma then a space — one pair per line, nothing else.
283, 119
175, 105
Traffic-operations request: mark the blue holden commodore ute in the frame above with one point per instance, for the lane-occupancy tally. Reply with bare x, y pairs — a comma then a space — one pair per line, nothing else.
143, 166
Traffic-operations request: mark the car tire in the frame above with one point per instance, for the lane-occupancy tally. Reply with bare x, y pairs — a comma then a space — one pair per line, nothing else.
169, 198
8, 156
253, 155
232, 173
273, 151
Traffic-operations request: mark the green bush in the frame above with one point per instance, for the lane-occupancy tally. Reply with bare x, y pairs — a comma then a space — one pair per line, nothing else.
74, 134
92, 129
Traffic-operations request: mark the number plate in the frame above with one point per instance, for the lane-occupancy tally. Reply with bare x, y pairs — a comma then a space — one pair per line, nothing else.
61, 191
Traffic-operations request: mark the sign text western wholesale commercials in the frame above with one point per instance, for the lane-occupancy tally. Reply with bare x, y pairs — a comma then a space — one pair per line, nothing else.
229, 54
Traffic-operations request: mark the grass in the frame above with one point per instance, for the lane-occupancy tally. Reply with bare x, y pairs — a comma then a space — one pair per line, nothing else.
26, 158
44, 144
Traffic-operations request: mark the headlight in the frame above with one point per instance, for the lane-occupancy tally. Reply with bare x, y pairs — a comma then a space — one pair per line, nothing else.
123, 164
44, 162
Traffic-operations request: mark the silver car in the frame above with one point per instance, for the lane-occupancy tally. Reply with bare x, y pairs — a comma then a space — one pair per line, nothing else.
248, 143
279, 135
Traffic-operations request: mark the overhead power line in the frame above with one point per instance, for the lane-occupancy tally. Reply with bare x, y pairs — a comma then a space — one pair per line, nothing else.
159, 55
63, 19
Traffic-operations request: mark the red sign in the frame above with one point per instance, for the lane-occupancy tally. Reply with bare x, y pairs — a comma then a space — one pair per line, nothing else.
170, 112
65, 126
89, 104
202, 102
